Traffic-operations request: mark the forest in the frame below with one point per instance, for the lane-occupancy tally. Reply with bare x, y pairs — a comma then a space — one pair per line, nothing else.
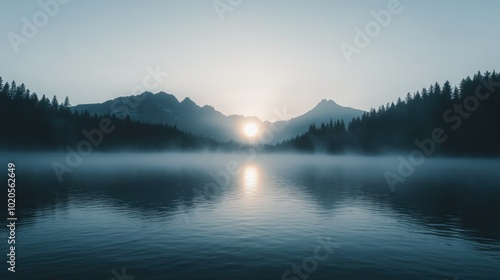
31, 123
466, 117
461, 120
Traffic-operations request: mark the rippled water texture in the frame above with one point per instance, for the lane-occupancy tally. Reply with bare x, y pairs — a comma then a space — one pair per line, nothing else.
184, 216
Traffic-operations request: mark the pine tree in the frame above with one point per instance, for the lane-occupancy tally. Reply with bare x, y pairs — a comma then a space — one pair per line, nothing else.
408, 98
44, 102
446, 93
437, 89
66, 103
13, 89
456, 94
54, 104
20, 92
6, 90
34, 98
417, 97
425, 94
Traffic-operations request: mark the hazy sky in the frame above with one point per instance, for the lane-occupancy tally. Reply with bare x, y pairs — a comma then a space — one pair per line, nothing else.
249, 56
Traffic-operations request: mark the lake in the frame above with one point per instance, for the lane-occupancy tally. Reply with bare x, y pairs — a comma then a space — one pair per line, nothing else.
224, 216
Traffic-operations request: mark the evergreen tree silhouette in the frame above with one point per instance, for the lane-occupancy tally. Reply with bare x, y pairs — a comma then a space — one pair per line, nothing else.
396, 127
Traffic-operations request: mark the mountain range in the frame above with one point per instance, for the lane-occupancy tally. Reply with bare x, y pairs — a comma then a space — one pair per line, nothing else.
164, 108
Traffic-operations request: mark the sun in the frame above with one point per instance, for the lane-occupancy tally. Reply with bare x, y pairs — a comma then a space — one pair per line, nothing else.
251, 130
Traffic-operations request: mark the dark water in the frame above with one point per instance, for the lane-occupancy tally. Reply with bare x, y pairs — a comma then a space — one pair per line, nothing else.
335, 217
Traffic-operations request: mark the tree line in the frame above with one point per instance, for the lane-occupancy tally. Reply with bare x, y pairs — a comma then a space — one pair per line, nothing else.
468, 115
28, 122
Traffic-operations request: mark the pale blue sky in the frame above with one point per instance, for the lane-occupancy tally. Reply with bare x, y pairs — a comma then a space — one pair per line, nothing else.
263, 55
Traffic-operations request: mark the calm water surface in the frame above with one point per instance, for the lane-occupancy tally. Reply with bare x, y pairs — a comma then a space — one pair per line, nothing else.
172, 216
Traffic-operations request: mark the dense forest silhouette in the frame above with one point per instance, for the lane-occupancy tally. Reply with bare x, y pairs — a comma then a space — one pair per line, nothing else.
31, 123
466, 116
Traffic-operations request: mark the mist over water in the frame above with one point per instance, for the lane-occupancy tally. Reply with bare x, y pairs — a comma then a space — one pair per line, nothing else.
244, 216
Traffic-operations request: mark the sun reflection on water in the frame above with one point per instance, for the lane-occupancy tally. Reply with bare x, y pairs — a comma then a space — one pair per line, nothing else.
250, 179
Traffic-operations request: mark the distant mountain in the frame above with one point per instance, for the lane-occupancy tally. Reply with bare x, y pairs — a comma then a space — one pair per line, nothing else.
40, 125
188, 116
325, 111
439, 120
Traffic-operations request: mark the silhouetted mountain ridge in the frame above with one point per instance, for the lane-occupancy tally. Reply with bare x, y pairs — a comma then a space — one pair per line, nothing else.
41, 124
440, 119
164, 108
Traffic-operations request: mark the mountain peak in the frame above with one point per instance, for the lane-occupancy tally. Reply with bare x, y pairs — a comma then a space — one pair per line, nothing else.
327, 102
163, 97
205, 120
187, 100
146, 93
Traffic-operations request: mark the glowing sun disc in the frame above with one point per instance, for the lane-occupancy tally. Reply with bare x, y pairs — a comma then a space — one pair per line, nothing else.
251, 130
